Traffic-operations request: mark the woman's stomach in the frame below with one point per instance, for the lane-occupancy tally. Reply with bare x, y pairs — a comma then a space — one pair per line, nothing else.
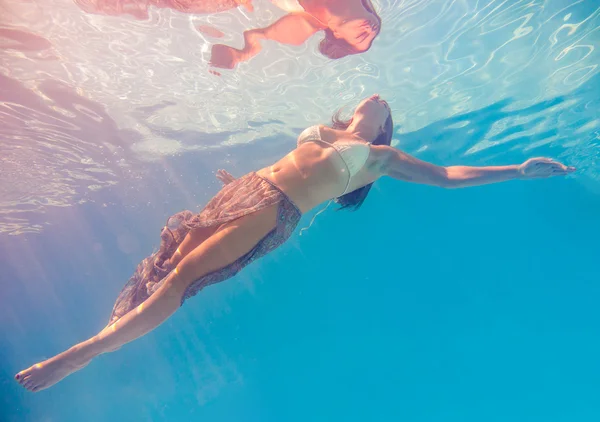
309, 175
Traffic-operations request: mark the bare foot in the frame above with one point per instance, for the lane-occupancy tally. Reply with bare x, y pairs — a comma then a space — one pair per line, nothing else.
47, 373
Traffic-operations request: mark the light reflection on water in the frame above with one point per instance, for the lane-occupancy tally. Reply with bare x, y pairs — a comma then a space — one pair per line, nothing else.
89, 101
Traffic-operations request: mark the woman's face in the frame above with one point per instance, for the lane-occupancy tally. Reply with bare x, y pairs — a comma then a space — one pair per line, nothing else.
360, 30
359, 33
373, 110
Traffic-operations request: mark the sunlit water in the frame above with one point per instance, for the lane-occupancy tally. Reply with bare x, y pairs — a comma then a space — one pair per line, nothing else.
427, 305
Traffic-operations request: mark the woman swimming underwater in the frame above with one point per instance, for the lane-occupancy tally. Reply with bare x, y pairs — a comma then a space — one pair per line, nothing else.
253, 215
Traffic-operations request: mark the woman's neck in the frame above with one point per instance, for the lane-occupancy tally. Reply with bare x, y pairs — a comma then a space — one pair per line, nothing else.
336, 10
363, 130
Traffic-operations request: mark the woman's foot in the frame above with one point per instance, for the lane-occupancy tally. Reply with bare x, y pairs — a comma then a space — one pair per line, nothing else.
47, 373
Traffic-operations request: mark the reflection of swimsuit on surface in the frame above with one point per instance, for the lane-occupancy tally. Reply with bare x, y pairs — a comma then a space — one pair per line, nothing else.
288, 5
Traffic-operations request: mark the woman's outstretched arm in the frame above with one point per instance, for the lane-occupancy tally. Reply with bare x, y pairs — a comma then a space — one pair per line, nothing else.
399, 165
293, 28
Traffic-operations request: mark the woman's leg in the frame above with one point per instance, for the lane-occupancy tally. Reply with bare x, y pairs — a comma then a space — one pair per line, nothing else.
229, 243
191, 241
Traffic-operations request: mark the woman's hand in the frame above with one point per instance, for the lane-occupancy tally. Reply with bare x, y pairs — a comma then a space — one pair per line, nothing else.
225, 177
536, 168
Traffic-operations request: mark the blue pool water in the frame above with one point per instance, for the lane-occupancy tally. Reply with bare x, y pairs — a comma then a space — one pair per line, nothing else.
426, 305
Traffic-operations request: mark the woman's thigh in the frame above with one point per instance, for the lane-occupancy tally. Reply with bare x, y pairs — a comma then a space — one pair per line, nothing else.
191, 241
230, 242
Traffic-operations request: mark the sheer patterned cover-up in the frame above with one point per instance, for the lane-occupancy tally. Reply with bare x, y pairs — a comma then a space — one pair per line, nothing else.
246, 195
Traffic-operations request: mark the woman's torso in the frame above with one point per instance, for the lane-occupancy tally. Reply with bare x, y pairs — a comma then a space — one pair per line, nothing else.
325, 11
316, 172
290, 6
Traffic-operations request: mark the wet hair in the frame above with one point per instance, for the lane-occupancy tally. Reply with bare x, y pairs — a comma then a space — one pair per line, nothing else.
353, 200
336, 48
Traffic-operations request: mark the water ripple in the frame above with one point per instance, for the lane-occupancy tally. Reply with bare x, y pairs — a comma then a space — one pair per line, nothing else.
49, 157
474, 79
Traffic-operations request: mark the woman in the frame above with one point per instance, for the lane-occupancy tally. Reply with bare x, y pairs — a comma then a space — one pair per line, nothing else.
254, 214
350, 27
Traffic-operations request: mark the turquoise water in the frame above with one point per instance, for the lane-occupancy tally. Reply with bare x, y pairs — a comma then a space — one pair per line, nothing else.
427, 304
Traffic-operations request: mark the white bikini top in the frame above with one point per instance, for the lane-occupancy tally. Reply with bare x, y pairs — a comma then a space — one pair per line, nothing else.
354, 154
288, 5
